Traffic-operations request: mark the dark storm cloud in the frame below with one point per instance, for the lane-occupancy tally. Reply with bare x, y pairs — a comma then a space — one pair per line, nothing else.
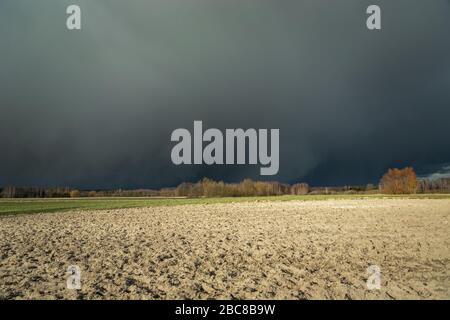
95, 108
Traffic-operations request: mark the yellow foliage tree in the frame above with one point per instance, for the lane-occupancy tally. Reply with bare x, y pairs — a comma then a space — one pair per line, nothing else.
399, 181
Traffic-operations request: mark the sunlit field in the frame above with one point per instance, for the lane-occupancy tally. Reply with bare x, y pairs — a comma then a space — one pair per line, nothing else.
31, 205
227, 248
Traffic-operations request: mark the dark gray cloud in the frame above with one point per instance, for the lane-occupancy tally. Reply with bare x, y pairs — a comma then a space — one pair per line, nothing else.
95, 108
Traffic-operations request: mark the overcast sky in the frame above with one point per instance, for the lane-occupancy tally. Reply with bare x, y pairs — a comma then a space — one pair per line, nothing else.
95, 108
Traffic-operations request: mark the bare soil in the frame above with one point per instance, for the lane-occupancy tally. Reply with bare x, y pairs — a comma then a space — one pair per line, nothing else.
255, 250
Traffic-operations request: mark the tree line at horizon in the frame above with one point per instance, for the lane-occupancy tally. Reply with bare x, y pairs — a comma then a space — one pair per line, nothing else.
394, 181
